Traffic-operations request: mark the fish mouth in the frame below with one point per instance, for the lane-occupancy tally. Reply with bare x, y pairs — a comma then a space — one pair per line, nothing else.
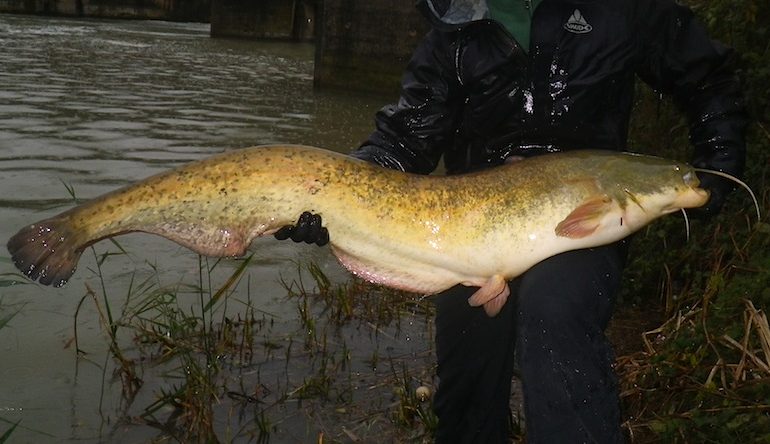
692, 197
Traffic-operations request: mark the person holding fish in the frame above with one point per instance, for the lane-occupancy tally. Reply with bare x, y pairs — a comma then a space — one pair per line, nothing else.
494, 81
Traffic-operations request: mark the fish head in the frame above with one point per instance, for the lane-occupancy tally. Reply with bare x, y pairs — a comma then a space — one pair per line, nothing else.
648, 187
687, 194
619, 193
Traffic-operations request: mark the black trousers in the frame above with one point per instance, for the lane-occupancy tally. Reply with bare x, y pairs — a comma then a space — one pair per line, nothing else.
555, 321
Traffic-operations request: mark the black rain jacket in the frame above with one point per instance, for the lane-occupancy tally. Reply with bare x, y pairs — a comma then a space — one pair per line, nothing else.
472, 95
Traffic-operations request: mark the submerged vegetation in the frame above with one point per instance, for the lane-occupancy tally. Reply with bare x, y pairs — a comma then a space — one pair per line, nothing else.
7, 313
199, 362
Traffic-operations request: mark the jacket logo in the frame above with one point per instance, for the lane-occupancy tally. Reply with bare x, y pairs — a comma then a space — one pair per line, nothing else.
577, 24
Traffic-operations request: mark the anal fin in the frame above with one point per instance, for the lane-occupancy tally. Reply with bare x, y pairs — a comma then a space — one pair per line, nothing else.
492, 295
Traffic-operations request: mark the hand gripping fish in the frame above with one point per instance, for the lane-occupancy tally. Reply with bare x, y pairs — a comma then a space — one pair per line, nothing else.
418, 233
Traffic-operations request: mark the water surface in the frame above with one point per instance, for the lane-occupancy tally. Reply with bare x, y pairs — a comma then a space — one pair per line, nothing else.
87, 106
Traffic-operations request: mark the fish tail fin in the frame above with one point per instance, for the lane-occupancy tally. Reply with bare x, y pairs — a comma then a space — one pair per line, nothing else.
47, 251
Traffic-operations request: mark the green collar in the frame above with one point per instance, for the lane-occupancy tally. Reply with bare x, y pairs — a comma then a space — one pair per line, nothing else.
515, 16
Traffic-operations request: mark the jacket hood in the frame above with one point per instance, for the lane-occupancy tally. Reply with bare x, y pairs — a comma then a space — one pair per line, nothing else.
453, 13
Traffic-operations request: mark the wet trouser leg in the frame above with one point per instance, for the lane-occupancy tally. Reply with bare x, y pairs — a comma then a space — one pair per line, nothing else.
475, 365
556, 321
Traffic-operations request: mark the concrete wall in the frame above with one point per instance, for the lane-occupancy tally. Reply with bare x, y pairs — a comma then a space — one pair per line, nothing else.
181, 10
264, 19
360, 45
365, 45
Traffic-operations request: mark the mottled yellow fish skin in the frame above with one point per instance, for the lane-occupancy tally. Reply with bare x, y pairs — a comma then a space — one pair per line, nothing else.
419, 233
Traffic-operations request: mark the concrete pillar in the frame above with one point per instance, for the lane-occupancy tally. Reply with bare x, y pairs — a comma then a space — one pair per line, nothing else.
365, 45
264, 19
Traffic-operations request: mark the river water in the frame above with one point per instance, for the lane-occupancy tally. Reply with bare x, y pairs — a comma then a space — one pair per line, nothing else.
87, 106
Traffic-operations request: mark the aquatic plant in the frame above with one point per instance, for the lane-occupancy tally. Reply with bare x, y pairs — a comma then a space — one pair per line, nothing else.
7, 313
216, 367
7, 434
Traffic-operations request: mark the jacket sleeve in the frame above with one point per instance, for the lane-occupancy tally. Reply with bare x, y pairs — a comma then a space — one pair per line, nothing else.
412, 134
681, 60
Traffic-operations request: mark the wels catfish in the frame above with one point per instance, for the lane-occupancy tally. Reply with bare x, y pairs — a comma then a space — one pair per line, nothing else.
418, 233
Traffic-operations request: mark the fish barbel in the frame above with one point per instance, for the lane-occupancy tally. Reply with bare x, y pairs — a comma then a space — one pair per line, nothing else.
412, 232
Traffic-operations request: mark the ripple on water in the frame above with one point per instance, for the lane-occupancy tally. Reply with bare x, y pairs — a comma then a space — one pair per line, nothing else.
112, 110
10, 95
21, 124
94, 105
16, 110
42, 148
140, 143
86, 134
180, 122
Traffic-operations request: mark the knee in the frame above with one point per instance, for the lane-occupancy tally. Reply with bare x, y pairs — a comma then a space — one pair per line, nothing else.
552, 317
577, 289
542, 303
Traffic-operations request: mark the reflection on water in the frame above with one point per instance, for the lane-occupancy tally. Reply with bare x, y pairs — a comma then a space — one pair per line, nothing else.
90, 105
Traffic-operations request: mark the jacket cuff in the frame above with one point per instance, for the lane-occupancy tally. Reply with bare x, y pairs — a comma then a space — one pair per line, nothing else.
379, 156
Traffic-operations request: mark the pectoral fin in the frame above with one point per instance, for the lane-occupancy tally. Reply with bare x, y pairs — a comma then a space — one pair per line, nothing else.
584, 219
492, 295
